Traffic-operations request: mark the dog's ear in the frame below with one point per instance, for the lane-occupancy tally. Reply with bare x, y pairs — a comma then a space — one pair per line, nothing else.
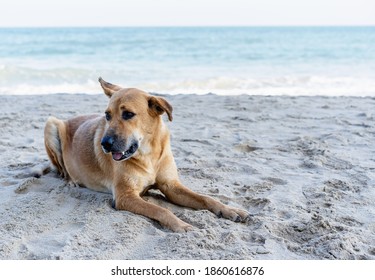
108, 88
159, 106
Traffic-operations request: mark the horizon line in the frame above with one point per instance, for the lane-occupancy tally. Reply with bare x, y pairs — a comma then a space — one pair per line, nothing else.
187, 26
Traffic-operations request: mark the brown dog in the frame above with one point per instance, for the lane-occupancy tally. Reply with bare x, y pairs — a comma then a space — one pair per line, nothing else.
127, 152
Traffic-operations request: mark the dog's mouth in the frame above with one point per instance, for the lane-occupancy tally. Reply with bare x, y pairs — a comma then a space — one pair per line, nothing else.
118, 156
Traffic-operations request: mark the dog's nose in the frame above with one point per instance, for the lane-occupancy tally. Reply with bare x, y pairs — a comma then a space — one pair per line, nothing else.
107, 143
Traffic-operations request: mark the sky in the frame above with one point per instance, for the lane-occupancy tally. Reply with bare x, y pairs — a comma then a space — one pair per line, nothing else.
49, 13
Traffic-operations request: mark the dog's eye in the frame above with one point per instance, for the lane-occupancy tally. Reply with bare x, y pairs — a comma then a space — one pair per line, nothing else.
108, 116
126, 115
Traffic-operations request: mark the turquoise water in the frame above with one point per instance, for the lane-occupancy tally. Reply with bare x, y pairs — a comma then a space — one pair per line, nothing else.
223, 60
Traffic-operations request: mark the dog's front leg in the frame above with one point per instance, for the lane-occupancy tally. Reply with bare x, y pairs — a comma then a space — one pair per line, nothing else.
181, 195
132, 202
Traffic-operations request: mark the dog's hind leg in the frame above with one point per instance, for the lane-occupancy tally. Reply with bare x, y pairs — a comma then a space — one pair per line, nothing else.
54, 140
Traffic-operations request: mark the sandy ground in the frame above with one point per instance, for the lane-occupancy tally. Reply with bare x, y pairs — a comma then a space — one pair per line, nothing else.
302, 166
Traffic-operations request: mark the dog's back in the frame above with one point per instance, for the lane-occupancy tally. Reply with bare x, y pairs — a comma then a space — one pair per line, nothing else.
64, 140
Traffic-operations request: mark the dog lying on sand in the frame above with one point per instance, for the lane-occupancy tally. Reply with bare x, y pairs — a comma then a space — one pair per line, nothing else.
127, 152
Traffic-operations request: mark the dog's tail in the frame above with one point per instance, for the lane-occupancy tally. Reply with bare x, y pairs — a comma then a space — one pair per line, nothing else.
36, 171
54, 132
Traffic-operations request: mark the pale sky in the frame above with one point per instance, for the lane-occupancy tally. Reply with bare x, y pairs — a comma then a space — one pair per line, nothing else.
31, 13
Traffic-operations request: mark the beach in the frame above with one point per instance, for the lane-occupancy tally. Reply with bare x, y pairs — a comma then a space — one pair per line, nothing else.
303, 167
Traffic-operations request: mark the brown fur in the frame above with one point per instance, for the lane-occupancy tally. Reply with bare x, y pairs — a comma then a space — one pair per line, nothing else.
75, 148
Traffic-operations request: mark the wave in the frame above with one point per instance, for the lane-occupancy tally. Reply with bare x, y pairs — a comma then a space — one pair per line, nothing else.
282, 85
18, 80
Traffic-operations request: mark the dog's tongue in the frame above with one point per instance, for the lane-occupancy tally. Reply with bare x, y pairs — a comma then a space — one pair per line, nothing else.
116, 156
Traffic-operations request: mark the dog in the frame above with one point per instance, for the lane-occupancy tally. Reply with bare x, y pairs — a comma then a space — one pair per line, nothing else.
127, 152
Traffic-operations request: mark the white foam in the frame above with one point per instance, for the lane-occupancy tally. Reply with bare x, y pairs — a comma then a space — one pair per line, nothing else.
18, 80
283, 85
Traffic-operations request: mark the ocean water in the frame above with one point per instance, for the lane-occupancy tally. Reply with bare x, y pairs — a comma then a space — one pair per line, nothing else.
172, 60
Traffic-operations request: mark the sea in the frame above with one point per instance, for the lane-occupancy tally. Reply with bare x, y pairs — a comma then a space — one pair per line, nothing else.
329, 61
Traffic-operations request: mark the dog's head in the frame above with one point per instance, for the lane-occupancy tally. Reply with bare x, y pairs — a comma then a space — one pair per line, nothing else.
132, 116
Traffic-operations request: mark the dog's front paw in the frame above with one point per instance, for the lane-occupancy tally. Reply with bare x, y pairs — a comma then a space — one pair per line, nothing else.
233, 214
181, 227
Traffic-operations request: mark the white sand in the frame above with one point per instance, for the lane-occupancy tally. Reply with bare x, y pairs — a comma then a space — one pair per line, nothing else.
302, 166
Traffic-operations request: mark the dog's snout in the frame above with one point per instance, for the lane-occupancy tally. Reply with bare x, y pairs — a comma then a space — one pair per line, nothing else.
107, 143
